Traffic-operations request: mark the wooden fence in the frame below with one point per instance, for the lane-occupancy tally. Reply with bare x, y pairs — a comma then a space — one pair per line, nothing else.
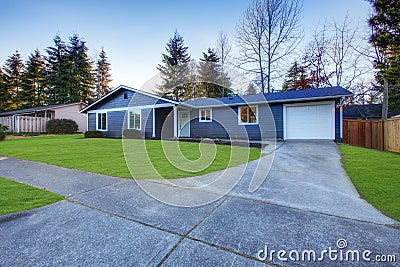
381, 135
25, 124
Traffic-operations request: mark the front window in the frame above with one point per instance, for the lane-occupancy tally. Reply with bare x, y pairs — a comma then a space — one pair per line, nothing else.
248, 115
134, 119
101, 124
205, 115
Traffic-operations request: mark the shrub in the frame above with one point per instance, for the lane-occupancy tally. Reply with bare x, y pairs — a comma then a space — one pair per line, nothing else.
61, 126
3, 128
93, 134
132, 134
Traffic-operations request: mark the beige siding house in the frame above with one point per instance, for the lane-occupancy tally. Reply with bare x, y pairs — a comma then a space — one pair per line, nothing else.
34, 119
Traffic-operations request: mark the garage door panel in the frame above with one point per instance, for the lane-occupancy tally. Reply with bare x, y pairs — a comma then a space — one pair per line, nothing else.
309, 122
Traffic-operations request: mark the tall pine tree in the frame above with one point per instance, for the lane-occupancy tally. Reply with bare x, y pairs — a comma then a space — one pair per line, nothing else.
175, 69
57, 66
80, 78
13, 73
213, 81
5, 96
33, 81
102, 76
385, 38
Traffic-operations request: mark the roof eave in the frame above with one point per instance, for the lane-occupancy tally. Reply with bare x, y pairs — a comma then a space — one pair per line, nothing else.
128, 88
273, 101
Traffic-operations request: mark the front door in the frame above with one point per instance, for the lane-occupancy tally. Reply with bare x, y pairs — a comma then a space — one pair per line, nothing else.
184, 123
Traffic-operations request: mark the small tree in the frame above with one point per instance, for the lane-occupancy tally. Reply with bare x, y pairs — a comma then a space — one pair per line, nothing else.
213, 81
296, 78
102, 76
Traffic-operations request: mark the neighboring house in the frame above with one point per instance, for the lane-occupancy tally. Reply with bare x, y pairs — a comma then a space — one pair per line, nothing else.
303, 114
366, 112
34, 119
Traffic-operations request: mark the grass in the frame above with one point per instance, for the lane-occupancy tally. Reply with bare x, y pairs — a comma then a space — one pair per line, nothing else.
105, 156
376, 175
15, 197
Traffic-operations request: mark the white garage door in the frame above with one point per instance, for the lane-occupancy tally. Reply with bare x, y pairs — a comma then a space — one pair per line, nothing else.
314, 121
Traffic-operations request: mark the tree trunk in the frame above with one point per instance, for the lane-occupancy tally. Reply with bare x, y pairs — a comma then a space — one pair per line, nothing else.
385, 101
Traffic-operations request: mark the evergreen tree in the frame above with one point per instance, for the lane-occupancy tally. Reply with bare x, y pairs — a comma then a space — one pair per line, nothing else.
102, 76
80, 78
33, 81
175, 69
69, 71
296, 78
385, 38
57, 66
5, 96
13, 73
213, 81
251, 89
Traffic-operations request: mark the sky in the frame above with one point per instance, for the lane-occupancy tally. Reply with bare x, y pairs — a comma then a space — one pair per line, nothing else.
134, 33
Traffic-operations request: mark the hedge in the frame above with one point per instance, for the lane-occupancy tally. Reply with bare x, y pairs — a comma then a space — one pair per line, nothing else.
93, 134
132, 134
61, 126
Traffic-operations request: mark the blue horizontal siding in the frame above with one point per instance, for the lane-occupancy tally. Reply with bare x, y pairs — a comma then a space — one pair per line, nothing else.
117, 100
225, 124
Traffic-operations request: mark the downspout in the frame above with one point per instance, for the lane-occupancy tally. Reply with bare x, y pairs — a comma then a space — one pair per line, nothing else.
175, 122
154, 123
341, 119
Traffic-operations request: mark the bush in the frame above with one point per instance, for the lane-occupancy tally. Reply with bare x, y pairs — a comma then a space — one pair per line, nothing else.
93, 134
61, 126
132, 134
3, 128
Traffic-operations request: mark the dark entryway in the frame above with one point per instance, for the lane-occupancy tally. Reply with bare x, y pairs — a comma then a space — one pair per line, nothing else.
164, 123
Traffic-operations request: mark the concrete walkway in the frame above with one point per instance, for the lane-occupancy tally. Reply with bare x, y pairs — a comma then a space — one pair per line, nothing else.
306, 202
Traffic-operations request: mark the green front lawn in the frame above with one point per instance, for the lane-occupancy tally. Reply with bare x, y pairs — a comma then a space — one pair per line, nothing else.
15, 197
376, 175
106, 156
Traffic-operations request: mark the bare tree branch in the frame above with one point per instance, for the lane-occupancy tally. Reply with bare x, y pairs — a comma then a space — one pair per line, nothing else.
270, 31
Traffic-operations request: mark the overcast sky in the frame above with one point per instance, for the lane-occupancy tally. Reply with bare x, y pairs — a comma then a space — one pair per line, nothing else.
134, 33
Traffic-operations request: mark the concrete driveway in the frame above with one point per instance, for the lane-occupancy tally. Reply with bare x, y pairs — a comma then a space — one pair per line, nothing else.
306, 203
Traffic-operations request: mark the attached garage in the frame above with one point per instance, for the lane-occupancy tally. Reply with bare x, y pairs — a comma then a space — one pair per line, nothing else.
315, 120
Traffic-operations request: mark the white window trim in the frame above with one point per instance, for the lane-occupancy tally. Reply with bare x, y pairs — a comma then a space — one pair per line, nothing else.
247, 123
140, 120
210, 120
97, 121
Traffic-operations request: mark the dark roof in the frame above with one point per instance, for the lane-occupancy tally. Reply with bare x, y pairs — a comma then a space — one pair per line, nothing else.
31, 110
284, 96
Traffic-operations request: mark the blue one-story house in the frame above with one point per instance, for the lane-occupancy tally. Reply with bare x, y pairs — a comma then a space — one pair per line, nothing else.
302, 114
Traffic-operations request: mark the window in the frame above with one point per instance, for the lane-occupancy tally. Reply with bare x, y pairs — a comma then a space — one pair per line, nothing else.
125, 95
205, 115
248, 115
101, 123
134, 119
